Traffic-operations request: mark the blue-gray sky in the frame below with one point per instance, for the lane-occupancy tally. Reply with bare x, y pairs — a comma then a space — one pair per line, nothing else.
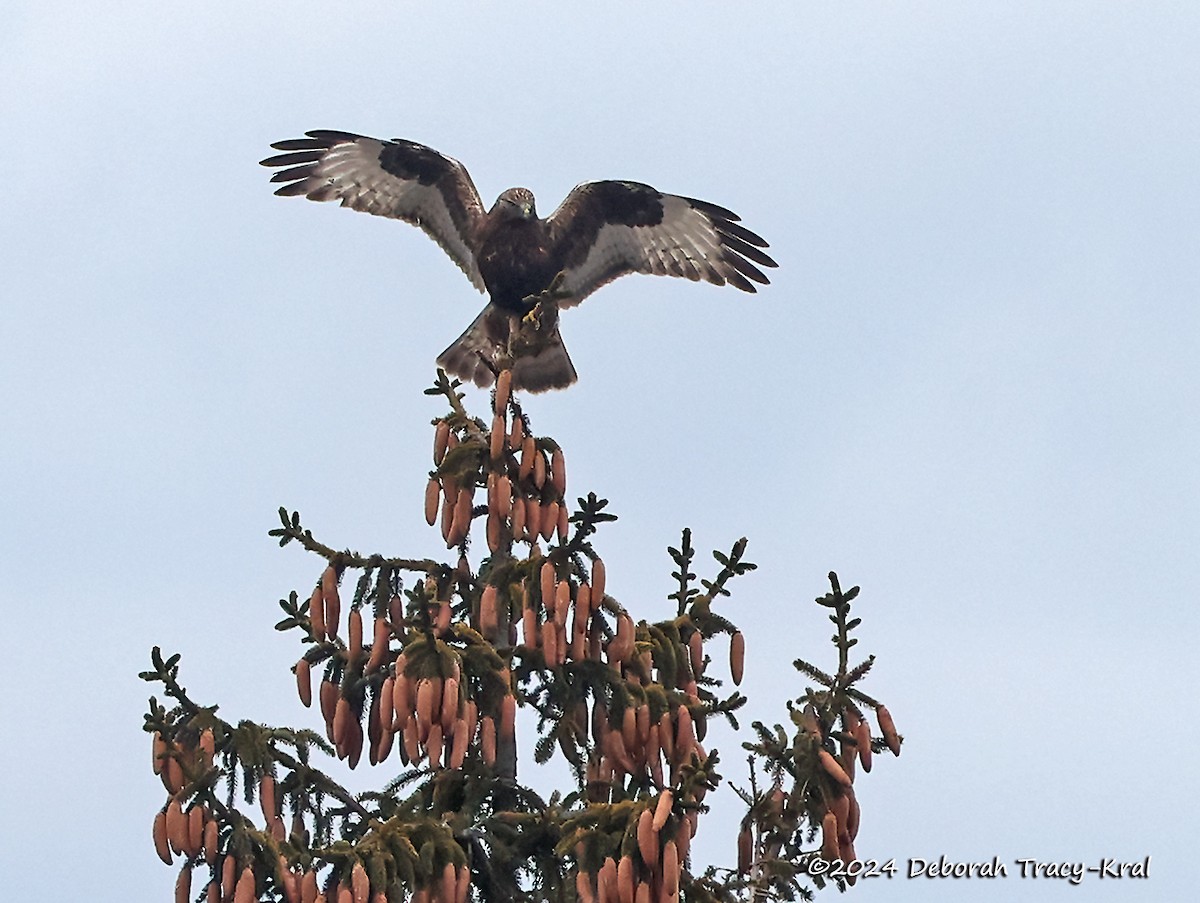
971, 387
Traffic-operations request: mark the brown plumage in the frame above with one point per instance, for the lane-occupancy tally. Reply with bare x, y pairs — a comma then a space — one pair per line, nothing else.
530, 267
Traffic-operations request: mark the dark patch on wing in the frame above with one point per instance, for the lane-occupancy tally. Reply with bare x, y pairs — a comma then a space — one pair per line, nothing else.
626, 203
410, 160
593, 205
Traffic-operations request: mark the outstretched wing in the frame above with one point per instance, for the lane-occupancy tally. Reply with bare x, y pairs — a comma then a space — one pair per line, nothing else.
607, 229
399, 179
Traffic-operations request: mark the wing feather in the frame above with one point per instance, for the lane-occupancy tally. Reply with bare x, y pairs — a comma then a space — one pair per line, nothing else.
604, 230
397, 179
745, 249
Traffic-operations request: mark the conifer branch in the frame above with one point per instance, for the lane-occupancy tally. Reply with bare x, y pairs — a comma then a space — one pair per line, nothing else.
292, 531
435, 673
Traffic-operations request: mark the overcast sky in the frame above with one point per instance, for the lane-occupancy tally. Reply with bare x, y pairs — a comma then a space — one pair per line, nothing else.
971, 387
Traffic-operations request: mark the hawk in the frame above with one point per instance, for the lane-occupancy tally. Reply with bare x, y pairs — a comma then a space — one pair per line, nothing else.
529, 267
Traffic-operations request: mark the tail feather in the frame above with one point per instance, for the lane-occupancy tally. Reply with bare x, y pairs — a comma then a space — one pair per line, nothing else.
538, 357
550, 368
472, 356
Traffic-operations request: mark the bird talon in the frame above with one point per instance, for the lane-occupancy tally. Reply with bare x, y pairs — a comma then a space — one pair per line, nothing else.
534, 317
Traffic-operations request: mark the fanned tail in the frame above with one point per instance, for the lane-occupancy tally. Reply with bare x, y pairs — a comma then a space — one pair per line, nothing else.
538, 356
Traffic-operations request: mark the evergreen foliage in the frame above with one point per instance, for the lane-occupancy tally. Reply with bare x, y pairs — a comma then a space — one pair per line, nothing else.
426, 675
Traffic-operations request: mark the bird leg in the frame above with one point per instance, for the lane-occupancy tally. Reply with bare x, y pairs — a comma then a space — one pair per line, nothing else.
551, 296
538, 328
534, 331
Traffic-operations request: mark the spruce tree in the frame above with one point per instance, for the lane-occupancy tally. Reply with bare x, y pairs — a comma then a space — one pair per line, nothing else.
422, 666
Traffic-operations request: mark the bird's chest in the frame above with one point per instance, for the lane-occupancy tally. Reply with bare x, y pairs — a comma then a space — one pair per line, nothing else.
515, 262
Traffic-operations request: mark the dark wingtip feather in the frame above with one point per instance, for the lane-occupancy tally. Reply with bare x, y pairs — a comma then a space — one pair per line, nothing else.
316, 140
743, 233
745, 268
296, 172
309, 156
715, 210
295, 188
745, 249
333, 136
299, 144
739, 281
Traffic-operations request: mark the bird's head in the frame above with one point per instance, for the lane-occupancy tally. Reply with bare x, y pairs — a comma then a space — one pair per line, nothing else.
516, 203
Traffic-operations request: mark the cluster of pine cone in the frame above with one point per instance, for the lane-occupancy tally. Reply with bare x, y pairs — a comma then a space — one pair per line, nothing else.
526, 480
647, 870
837, 811
438, 692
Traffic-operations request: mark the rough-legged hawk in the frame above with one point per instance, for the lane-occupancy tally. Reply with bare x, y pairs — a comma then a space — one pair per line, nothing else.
601, 231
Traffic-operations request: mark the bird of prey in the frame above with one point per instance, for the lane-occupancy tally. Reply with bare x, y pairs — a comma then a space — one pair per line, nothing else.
529, 267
